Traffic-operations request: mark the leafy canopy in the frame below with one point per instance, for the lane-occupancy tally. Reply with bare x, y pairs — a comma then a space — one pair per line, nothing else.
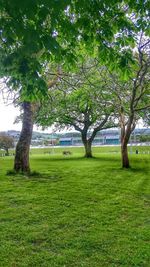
33, 33
81, 99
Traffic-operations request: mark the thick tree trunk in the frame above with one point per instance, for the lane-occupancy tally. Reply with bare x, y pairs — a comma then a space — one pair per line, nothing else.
21, 163
87, 144
7, 152
88, 149
125, 158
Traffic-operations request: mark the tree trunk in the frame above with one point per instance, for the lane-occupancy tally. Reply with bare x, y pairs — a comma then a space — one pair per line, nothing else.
7, 152
87, 144
88, 149
21, 163
125, 158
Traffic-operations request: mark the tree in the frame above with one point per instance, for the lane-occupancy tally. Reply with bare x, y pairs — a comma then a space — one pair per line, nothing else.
22, 149
80, 100
6, 142
59, 31
21, 162
144, 138
133, 95
146, 117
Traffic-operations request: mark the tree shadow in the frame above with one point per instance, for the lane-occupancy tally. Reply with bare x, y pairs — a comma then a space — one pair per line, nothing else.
83, 158
35, 176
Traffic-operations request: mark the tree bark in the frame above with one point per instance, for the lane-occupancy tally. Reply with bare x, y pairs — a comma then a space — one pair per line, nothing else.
88, 149
125, 158
21, 163
87, 144
7, 152
126, 131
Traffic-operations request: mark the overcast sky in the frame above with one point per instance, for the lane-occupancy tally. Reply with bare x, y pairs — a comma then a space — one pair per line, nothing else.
8, 114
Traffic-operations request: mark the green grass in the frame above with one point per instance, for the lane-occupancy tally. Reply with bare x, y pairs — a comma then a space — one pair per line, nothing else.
80, 150
96, 150
77, 213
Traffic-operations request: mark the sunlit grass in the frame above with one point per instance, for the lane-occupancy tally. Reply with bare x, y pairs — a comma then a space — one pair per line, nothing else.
75, 212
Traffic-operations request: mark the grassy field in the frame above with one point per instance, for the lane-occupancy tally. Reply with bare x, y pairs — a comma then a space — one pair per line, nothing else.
80, 150
77, 212
96, 150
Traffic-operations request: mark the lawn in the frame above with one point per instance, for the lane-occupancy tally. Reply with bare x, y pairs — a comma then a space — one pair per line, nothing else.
77, 212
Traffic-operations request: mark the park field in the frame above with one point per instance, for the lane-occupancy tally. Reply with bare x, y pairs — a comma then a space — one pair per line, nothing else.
76, 212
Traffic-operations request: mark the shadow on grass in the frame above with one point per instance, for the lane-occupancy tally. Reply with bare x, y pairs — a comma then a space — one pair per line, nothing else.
115, 162
61, 159
142, 186
35, 176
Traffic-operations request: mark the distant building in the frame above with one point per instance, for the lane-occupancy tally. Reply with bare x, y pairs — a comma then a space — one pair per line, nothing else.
66, 141
99, 140
104, 137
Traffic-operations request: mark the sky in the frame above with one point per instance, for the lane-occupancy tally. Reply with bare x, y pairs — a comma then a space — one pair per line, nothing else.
8, 114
